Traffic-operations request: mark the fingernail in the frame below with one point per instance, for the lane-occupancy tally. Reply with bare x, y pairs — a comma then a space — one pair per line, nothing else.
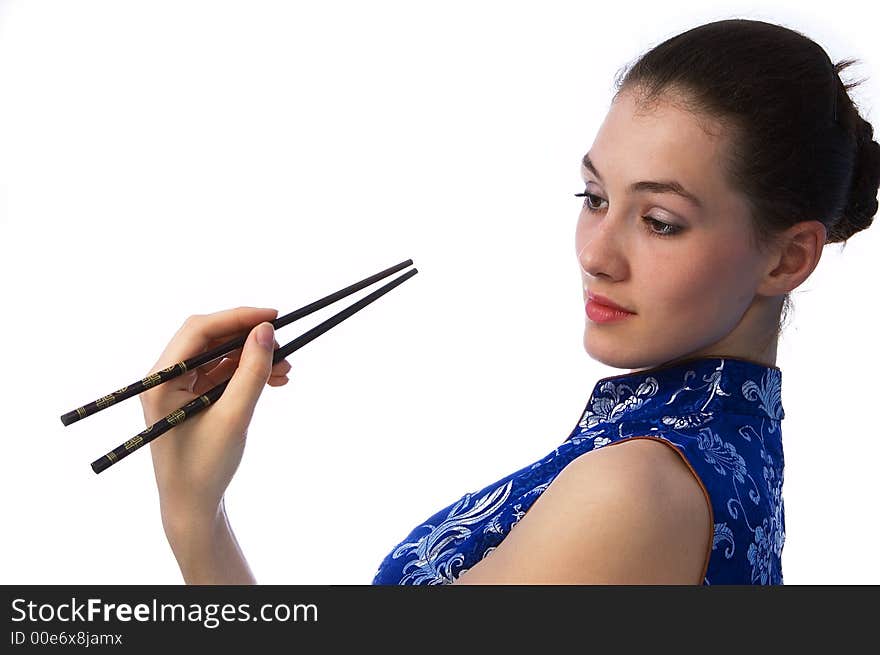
266, 335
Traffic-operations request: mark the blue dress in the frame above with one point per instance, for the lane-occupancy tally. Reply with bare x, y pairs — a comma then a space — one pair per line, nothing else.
721, 414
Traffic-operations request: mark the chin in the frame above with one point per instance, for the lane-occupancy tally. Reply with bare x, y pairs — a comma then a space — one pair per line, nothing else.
609, 354
614, 353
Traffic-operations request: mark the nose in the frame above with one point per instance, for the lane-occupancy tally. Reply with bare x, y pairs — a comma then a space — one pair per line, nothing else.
600, 245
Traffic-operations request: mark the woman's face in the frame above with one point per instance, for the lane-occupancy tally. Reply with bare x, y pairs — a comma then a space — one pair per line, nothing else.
692, 293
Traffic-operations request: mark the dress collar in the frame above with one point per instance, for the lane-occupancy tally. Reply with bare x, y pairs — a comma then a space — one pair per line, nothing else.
696, 387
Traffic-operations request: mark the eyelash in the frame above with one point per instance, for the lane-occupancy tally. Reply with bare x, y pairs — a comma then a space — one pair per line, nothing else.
673, 229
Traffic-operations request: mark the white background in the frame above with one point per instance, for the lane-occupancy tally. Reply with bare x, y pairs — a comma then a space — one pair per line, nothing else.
166, 158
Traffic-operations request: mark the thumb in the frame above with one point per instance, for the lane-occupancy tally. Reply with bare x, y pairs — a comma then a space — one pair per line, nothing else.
247, 382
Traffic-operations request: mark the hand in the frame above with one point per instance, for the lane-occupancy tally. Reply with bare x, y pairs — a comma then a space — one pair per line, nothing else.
195, 461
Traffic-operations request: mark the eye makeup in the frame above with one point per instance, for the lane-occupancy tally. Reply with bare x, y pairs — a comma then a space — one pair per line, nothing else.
666, 230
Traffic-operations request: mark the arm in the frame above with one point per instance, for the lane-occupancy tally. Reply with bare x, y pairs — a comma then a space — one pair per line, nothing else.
207, 551
195, 461
630, 513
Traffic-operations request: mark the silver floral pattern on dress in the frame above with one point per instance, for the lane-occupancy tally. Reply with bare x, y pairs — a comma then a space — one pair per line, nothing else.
721, 414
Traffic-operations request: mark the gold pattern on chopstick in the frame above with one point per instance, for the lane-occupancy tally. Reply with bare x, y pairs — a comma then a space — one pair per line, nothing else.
170, 369
151, 380
106, 401
176, 417
133, 443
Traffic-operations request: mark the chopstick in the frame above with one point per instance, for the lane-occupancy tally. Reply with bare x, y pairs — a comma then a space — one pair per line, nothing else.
180, 368
181, 414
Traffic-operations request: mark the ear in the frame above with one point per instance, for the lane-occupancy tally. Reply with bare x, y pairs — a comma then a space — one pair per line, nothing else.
795, 257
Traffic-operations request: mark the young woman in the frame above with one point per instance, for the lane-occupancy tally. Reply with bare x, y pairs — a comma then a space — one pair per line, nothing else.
731, 154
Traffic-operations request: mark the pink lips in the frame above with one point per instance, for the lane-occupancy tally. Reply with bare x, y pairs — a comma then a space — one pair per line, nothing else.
600, 313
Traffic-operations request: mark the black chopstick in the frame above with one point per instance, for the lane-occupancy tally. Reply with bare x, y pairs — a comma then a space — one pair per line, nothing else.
195, 406
180, 368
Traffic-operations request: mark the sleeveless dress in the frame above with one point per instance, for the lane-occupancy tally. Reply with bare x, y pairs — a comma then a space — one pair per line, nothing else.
720, 414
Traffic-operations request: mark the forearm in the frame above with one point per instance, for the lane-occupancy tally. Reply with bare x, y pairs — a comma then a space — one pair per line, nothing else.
207, 551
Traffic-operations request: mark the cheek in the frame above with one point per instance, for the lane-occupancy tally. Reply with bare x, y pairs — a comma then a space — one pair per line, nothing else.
703, 290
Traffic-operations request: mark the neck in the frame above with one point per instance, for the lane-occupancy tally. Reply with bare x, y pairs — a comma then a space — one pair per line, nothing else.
755, 338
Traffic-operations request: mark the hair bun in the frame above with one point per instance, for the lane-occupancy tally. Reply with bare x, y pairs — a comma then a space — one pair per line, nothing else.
862, 203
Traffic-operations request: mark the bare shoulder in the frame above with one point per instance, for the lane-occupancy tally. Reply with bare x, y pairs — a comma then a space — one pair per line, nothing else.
642, 464
631, 512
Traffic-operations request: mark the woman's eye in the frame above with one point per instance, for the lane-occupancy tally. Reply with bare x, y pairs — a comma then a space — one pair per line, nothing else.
589, 198
663, 229
655, 228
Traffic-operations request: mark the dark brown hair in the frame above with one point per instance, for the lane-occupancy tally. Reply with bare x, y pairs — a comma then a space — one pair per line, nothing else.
799, 150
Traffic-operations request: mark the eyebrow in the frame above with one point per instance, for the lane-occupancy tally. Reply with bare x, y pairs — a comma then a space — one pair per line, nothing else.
661, 186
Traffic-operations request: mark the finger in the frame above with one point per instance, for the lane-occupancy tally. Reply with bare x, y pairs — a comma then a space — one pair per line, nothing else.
206, 383
201, 331
247, 382
225, 324
211, 367
234, 355
220, 373
213, 343
282, 367
198, 331
226, 368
